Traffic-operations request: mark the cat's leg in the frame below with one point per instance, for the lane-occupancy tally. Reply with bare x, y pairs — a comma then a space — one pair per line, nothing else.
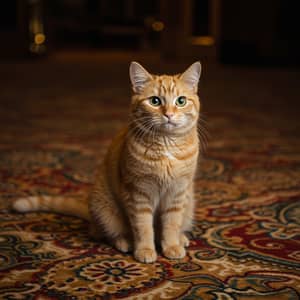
171, 243
173, 240
141, 217
144, 238
188, 215
184, 241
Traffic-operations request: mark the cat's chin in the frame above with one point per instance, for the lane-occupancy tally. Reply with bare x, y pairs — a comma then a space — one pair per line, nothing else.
170, 126
172, 129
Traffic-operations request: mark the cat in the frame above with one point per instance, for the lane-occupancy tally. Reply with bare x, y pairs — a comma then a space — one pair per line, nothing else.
143, 190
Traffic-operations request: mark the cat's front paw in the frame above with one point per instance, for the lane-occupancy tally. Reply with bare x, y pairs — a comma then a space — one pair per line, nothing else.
174, 252
145, 255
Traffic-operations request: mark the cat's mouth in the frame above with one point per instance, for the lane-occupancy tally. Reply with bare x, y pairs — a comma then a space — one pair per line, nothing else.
169, 124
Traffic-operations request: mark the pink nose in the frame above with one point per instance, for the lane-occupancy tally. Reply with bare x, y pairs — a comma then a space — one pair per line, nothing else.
169, 115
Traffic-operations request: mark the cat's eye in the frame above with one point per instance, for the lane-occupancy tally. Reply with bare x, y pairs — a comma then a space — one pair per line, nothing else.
180, 101
155, 101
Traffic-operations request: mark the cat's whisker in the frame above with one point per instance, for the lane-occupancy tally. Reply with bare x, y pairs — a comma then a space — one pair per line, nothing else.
203, 137
203, 124
135, 127
202, 116
138, 123
202, 119
144, 130
151, 132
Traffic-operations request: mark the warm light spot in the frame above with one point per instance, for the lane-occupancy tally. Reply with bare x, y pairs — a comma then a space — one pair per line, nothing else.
158, 26
203, 40
39, 38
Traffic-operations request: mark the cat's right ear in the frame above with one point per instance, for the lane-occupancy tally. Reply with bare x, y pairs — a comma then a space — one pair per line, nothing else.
138, 77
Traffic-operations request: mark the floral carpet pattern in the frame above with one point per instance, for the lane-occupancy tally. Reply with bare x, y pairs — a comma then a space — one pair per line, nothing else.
245, 242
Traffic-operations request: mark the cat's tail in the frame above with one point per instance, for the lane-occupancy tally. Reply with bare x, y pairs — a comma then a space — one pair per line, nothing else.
56, 204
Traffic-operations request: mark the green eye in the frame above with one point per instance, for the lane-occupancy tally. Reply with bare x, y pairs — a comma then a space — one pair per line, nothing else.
155, 101
180, 101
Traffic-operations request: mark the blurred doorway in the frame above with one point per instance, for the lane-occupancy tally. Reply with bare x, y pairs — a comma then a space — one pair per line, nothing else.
191, 28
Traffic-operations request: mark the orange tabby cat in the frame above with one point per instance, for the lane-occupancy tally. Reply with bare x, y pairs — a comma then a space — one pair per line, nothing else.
144, 187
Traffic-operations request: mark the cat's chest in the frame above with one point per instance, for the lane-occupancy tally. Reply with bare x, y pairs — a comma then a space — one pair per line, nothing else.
169, 155
163, 163
173, 165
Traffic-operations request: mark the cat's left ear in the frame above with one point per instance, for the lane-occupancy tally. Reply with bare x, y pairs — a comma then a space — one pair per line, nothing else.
138, 76
192, 75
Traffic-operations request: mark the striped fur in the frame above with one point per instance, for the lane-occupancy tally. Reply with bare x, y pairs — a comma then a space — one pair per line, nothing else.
144, 187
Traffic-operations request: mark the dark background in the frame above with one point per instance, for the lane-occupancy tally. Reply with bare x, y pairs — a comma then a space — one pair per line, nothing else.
73, 55
244, 32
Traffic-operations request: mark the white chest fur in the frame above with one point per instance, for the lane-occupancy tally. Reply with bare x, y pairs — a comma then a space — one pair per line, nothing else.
169, 155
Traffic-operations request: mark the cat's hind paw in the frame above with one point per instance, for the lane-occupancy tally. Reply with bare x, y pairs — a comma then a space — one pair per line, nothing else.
123, 244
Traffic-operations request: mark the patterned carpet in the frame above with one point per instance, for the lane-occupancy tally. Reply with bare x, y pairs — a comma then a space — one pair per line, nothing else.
57, 118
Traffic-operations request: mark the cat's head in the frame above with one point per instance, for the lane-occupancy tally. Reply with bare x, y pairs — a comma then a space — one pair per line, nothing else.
164, 103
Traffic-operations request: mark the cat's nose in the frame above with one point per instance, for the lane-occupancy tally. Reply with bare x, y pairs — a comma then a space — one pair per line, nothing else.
169, 115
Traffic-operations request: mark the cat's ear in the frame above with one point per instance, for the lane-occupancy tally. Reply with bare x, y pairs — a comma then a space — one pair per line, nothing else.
138, 76
192, 75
